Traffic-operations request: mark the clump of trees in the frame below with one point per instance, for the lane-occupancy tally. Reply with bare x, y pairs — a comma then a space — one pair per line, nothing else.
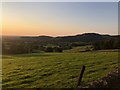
48, 49
107, 44
53, 49
17, 48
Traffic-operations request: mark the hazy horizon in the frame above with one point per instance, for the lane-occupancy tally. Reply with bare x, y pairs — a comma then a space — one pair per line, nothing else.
59, 18
54, 36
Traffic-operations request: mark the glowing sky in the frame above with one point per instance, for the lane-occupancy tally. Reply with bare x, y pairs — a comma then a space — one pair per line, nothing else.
59, 18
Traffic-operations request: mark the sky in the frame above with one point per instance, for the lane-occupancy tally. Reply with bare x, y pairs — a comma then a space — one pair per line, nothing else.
59, 18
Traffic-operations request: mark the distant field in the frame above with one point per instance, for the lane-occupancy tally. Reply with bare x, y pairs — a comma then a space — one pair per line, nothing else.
78, 49
56, 70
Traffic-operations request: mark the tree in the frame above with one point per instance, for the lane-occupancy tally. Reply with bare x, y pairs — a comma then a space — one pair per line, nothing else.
58, 49
48, 49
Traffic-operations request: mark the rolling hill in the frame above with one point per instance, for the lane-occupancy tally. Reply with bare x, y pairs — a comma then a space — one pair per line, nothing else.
86, 37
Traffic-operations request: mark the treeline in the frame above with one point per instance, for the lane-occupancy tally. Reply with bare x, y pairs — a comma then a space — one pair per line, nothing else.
17, 48
27, 48
21, 46
107, 44
30, 46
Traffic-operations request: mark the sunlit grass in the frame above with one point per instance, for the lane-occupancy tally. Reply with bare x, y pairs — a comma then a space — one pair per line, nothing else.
56, 70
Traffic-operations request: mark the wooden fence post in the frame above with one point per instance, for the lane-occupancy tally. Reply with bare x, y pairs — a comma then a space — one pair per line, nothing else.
81, 75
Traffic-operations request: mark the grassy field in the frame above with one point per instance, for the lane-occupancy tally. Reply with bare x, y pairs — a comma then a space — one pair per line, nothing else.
56, 70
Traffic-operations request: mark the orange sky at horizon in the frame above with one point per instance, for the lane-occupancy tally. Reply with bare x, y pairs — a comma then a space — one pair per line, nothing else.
12, 26
58, 19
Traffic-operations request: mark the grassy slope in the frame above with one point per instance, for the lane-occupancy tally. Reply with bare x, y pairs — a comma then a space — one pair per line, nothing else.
78, 49
56, 69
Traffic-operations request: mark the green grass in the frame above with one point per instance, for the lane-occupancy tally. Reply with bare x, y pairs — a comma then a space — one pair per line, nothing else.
79, 49
56, 70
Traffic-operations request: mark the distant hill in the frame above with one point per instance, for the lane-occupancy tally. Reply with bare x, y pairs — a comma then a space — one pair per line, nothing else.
86, 37
41, 38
